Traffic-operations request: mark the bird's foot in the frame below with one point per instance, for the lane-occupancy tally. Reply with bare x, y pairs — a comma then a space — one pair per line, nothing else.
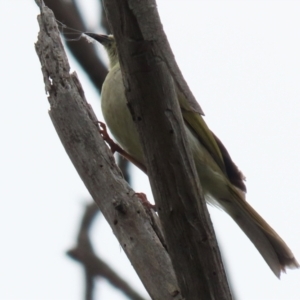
145, 202
114, 147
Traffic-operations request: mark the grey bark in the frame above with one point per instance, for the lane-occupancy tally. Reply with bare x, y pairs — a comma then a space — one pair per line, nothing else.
86, 55
76, 126
150, 74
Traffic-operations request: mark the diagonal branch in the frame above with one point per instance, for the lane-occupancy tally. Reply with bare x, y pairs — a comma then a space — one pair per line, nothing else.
93, 265
86, 55
75, 124
149, 73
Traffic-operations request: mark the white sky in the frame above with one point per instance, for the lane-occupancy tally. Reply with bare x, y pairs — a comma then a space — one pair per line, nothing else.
241, 60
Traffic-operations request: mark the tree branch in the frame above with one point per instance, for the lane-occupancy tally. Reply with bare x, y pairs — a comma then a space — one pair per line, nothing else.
86, 55
75, 124
147, 64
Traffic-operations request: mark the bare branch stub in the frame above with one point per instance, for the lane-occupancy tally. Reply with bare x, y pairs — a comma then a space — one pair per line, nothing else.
67, 13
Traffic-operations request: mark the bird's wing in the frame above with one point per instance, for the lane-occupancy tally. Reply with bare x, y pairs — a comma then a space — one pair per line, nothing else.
196, 123
212, 144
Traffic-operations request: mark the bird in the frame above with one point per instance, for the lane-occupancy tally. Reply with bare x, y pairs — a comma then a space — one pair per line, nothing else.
221, 180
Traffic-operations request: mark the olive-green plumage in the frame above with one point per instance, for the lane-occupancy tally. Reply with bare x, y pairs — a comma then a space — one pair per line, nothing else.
222, 182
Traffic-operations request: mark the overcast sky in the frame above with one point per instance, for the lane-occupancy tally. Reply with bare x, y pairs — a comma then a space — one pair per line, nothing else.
240, 59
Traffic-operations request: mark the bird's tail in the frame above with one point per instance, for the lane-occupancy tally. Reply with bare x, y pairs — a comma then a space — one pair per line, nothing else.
270, 245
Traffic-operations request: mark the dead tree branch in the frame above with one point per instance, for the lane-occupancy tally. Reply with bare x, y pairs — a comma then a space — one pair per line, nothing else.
149, 73
67, 13
76, 126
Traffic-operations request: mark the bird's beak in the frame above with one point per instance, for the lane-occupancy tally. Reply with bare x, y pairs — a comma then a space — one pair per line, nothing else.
101, 38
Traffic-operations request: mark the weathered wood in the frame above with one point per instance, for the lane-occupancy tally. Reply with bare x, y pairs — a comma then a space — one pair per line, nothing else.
76, 126
147, 65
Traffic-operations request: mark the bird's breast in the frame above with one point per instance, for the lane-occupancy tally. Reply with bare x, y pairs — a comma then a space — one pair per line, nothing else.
117, 115
119, 120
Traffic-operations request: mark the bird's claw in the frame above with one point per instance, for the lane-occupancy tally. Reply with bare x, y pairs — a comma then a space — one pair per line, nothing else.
145, 202
113, 146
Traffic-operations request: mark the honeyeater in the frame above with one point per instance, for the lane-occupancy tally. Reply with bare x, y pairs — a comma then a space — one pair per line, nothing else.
221, 180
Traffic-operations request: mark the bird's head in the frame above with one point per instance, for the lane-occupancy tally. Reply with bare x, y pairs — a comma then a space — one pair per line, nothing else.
109, 43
